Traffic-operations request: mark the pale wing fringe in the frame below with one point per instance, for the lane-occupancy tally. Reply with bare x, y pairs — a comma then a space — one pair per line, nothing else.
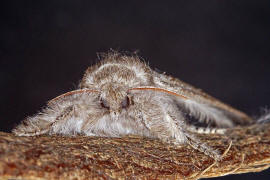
206, 113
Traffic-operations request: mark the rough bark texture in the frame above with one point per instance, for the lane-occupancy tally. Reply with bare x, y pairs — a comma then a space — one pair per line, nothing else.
56, 157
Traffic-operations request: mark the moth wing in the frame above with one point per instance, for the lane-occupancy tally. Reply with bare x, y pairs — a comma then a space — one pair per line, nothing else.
200, 104
65, 114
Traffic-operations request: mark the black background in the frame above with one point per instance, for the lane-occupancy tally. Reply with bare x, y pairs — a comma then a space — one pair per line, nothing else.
221, 47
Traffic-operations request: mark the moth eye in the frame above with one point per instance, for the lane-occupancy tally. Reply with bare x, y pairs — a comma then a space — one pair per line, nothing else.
126, 102
104, 103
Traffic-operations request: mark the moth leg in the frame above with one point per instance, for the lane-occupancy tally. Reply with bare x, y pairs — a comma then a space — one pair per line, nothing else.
202, 147
193, 141
40, 123
170, 129
92, 126
69, 122
161, 125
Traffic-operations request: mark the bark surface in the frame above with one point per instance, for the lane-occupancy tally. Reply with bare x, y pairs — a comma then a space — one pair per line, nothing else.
80, 157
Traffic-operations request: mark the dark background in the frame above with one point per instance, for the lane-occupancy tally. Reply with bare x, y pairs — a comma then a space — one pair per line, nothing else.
221, 47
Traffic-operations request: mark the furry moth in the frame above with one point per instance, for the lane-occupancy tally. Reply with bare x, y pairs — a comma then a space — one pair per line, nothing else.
122, 95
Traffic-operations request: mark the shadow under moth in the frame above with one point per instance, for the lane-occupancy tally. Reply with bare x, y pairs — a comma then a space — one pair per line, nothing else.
121, 95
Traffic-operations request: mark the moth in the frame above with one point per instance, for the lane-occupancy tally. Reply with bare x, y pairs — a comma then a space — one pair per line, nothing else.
122, 95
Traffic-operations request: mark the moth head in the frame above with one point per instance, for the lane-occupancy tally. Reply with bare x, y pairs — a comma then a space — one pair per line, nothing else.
114, 98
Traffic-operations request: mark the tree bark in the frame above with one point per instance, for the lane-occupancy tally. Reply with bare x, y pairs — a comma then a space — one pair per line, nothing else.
60, 157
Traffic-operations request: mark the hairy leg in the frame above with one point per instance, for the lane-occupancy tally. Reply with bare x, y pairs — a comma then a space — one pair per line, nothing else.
42, 122
167, 123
